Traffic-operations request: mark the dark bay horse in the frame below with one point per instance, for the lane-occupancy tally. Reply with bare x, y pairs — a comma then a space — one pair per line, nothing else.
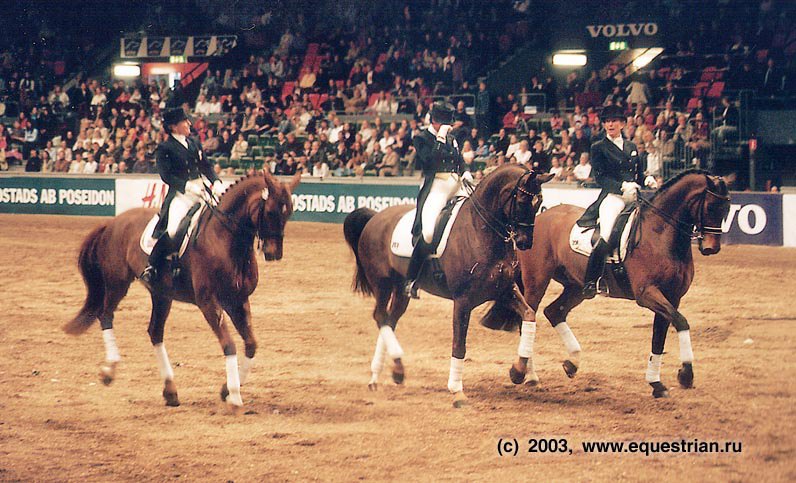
219, 272
478, 263
660, 267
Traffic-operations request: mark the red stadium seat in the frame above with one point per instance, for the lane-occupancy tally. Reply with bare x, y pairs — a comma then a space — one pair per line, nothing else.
716, 89
699, 89
692, 103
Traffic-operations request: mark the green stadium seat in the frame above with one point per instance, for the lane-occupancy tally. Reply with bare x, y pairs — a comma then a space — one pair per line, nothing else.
252, 139
223, 161
256, 151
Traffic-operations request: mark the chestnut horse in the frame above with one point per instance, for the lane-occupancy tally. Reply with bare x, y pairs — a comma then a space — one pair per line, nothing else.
218, 273
659, 265
478, 263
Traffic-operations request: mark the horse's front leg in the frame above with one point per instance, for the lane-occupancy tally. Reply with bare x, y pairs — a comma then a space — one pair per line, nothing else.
215, 317
461, 322
240, 314
161, 306
659, 328
653, 299
524, 366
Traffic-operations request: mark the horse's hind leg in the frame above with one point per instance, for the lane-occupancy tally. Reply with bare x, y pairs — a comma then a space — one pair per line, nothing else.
386, 321
659, 328
161, 306
557, 313
241, 318
113, 295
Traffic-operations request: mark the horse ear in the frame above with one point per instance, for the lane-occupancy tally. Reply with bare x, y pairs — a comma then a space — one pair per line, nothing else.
293, 183
730, 179
544, 178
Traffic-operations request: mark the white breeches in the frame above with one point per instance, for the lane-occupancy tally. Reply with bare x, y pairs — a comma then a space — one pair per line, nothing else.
180, 206
610, 208
444, 186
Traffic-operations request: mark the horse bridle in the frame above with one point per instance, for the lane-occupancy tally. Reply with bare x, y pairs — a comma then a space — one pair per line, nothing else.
234, 227
506, 230
694, 232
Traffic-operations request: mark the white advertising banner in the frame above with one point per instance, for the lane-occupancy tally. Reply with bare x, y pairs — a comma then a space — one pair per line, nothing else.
789, 220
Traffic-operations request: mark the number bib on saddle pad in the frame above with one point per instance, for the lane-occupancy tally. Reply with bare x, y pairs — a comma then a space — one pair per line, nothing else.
184, 232
401, 242
581, 239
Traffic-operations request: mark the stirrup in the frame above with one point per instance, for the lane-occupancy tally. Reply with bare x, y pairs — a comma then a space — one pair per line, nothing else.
589, 290
149, 276
410, 289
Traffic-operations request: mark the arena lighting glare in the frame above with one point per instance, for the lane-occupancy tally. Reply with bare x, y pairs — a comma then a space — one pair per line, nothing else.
569, 59
645, 58
126, 70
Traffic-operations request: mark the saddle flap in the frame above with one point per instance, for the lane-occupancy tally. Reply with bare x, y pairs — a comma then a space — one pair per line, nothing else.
580, 239
401, 242
184, 232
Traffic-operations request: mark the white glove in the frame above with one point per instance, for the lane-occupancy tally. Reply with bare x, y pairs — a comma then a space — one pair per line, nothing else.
442, 134
467, 176
650, 182
194, 189
218, 188
629, 191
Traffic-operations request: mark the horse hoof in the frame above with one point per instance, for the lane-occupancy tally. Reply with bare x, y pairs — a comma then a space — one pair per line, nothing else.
516, 376
234, 409
108, 373
224, 392
459, 400
533, 381
373, 386
398, 374
171, 399
659, 390
686, 376
570, 369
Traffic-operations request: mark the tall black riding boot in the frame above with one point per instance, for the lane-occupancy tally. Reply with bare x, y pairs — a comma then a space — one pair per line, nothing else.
594, 269
419, 255
160, 251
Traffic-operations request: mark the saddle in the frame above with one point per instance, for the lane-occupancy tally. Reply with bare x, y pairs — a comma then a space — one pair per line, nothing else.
582, 240
187, 230
401, 242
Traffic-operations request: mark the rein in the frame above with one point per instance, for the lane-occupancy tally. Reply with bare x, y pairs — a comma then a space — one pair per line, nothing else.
691, 231
503, 230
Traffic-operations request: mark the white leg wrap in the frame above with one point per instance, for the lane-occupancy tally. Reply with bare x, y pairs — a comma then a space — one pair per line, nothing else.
233, 381
111, 351
245, 369
654, 367
686, 352
527, 336
166, 372
568, 338
377, 364
391, 342
455, 377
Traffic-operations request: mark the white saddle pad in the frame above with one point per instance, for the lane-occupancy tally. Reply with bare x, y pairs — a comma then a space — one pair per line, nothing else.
148, 243
580, 241
401, 243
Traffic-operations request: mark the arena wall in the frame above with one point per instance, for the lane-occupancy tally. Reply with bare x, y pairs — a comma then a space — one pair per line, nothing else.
754, 218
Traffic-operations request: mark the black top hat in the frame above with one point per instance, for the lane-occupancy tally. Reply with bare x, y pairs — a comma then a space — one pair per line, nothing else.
173, 116
442, 112
612, 112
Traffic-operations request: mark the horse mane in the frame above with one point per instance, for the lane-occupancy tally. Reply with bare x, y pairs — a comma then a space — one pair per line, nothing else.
235, 201
672, 181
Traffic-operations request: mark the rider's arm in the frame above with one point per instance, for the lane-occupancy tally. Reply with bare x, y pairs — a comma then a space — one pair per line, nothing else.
606, 177
167, 169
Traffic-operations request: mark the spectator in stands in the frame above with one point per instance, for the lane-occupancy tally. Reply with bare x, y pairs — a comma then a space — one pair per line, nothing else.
638, 92
540, 161
513, 146
468, 155
557, 170
771, 80
225, 143
388, 166
211, 143
522, 155
582, 172
726, 117
240, 148
580, 143
34, 163
91, 164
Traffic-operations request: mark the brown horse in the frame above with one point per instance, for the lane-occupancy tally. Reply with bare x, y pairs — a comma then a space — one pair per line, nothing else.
659, 267
478, 263
218, 273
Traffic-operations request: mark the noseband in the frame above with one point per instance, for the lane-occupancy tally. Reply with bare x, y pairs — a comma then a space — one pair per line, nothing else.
697, 231
507, 230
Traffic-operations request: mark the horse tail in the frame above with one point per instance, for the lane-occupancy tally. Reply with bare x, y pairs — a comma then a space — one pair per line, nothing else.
90, 269
352, 228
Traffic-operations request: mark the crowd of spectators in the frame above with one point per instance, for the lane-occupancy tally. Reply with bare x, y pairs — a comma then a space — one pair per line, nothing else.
114, 127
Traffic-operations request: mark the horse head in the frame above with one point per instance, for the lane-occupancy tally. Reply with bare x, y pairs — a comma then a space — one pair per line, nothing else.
271, 210
526, 199
519, 198
712, 210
